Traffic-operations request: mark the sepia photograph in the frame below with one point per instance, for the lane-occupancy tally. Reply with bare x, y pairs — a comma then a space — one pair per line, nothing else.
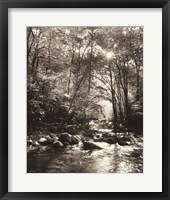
84, 99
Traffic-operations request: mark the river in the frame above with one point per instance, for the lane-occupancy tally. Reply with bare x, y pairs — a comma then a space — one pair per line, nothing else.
73, 159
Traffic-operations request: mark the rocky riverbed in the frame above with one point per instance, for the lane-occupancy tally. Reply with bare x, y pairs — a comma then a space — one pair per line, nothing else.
94, 151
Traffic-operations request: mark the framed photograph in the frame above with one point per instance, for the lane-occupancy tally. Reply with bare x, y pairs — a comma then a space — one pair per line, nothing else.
84, 99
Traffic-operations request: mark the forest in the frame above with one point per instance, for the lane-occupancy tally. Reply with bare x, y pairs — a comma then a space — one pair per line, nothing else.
81, 80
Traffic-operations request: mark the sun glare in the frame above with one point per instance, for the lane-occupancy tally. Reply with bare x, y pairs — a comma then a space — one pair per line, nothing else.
109, 55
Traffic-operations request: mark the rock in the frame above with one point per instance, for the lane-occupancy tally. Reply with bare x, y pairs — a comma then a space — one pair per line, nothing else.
65, 138
43, 141
36, 143
90, 145
57, 144
49, 139
29, 142
55, 138
32, 150
111, 140
110, 125
66, 144
52, 135
98, 137
90, 134
125, 141
43, 149
74, 140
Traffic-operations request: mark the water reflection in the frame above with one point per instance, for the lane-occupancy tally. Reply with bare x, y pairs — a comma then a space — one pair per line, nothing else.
110, 159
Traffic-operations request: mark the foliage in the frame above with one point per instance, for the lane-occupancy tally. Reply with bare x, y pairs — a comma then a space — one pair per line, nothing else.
72, 69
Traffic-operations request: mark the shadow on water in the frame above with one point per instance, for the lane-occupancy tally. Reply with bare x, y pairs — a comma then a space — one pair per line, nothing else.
110, 159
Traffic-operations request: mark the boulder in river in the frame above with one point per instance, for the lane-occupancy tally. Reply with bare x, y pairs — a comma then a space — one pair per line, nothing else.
90, 146
49, 139
65, 138
98, 137
36, 143
57, 144
32, 150
66, 144
74, 140
52, 135
29, 142
43, 141
125, 141
111, 140
55, 139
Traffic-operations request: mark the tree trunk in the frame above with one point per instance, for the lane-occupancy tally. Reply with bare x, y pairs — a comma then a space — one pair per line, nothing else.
78, 85
137, 85
113, 96
28, 48
49, 54
90, 67
69, 80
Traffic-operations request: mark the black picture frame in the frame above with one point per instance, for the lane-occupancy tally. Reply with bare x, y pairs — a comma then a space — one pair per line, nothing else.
4, 5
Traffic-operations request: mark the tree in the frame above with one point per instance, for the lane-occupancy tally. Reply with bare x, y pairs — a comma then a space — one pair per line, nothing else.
69, 71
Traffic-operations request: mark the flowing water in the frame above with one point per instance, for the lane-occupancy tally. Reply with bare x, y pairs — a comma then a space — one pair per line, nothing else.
110, 159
